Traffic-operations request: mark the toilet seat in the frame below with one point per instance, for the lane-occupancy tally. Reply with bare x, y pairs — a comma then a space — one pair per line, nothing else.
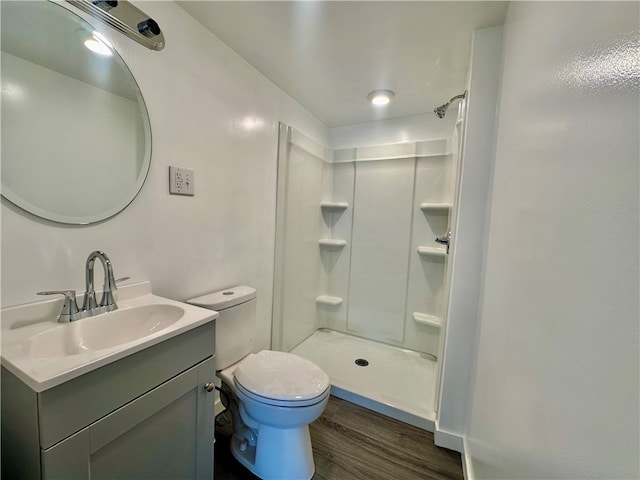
281, 403
280, 378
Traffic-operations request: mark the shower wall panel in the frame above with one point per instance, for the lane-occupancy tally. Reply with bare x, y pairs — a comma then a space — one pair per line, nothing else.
305, 178
336, 262
355, 242
381, 238
426, 273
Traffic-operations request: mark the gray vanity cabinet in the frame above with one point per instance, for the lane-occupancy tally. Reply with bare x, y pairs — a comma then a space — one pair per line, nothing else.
155, 436
146, 416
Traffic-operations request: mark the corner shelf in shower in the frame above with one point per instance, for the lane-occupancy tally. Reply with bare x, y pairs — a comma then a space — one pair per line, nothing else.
328, 300
426, 319
432, 252
334, 206
435, 207
331, 243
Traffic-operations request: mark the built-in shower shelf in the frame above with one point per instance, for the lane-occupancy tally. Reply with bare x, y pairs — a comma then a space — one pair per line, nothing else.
328, 300
426, 319
435, 207
332, 243
432, 251
337, 206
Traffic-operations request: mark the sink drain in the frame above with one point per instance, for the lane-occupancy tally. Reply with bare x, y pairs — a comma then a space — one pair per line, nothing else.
361, 362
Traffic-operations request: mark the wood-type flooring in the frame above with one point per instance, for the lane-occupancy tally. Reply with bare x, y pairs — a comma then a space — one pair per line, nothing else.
353, 443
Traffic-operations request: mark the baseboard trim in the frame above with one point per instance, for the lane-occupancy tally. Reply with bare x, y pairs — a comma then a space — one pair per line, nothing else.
445, 439
467, 467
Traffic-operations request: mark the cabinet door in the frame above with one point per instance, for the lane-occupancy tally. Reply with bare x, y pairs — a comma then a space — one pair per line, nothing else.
165, 434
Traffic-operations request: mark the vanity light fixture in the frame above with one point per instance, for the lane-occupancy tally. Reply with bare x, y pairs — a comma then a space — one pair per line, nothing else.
105, 5
126, 18
380, 97
98, 44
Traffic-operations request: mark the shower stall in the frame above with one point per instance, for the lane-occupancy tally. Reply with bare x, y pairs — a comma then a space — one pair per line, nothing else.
360, 284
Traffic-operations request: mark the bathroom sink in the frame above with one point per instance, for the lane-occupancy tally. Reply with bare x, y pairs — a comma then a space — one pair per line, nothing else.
103, 331
45, 353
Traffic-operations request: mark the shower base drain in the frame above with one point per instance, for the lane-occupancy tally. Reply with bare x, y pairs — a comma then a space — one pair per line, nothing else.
361, 362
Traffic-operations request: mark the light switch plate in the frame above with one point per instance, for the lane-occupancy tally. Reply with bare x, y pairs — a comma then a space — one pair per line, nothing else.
181, 181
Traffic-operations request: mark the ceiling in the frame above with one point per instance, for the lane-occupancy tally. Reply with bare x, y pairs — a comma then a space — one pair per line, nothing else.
328, 55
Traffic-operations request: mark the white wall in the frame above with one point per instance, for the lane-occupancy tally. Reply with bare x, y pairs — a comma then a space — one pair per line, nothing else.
469, 232
212, 112
557, 379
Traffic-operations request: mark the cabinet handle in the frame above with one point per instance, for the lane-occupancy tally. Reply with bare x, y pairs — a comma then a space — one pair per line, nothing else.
209, 387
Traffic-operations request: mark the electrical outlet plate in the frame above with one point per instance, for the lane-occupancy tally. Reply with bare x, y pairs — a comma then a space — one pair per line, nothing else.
181, 181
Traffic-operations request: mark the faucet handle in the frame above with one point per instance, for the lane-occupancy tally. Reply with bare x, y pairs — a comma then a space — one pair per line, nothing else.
445, 240
70, 309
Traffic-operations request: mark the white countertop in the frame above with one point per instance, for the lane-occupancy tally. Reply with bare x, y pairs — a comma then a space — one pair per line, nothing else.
20, 323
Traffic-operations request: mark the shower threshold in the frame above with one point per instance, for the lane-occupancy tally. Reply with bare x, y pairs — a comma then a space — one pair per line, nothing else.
390, 380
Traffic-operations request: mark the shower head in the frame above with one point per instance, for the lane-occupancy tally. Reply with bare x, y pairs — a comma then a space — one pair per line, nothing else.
441, 111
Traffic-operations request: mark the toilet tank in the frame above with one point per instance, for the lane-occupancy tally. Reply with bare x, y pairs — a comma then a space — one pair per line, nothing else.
236, 307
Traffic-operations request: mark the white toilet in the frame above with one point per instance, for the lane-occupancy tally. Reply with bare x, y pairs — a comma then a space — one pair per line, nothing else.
273, 396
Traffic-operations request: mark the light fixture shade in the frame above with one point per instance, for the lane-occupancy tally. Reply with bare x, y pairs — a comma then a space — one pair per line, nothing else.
380, 97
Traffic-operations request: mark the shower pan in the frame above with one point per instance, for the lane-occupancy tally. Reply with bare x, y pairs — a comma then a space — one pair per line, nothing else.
360, 284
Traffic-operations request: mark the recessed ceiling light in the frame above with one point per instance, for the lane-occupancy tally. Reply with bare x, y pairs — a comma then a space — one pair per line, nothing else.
380, 97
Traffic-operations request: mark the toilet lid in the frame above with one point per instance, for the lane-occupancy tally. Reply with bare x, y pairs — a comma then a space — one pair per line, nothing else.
281, 376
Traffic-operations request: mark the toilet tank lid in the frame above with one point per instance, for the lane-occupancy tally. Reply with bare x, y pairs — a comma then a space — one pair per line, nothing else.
229, 297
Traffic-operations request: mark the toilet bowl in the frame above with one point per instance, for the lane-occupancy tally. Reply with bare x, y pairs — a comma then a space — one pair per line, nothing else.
278, 395
273, 396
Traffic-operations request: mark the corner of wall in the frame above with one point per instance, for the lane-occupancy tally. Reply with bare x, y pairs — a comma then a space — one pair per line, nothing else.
467, 464
470, 233
450, 440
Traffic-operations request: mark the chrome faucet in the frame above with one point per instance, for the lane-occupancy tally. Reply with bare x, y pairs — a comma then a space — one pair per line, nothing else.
70, 311
107, 303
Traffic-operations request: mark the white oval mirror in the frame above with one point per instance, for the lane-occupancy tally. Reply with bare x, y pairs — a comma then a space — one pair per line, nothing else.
76, 139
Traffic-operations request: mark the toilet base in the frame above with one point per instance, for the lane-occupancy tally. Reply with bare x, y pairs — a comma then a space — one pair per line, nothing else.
279, 454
